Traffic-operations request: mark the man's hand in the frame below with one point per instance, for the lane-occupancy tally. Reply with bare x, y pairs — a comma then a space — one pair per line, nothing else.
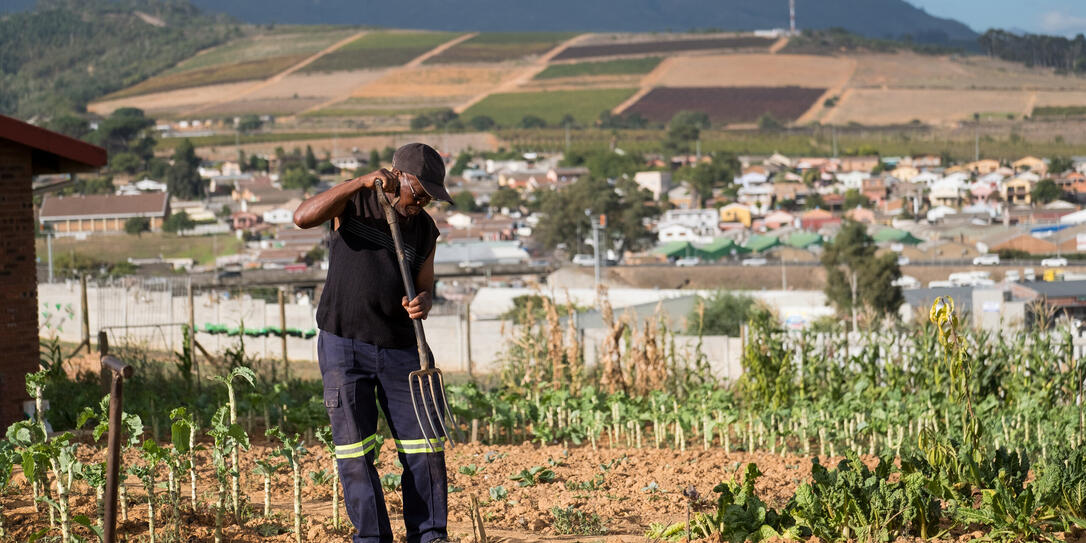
390, 182
419, 308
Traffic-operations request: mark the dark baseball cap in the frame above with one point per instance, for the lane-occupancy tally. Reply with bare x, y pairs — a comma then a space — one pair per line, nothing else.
423, 162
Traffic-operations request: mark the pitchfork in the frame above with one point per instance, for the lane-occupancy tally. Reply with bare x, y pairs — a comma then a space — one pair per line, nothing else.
423, 378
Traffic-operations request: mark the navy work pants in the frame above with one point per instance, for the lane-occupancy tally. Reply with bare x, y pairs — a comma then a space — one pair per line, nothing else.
356, 377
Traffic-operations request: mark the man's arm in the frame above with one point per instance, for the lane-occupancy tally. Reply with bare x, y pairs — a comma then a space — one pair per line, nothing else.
330, 204
419, 308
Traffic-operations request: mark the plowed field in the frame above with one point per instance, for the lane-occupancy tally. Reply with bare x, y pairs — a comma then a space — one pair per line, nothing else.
727, 104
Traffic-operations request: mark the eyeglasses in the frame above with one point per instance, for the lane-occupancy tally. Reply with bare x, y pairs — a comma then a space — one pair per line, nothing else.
421, 200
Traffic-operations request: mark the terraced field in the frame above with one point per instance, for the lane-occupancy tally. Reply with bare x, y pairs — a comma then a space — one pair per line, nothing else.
727, 104
625, 66
501, 47
380, 50
585, 106
252, 58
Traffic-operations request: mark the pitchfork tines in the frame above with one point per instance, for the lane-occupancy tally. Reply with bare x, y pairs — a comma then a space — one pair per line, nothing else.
421, 380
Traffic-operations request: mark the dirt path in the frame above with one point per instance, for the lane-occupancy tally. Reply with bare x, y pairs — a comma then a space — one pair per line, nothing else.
524, 75
277, 77
780, 44
414, 63
818, 109
648, 83
1030, 104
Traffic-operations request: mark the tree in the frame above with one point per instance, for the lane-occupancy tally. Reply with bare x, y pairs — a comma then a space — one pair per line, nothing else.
1059, 164
257, 164
122, 126
375, 160
1045, 191
481, 123
855, 198
137, 226
325, 167
182, 179
461, 164
69, 125
685, 127
814, 201
724, 314
249, 123
299, 178
310, 159
125, 162
856, 278
177, 222
768, 123
704, 177
464, 201
532, 121
623, 203
505, 197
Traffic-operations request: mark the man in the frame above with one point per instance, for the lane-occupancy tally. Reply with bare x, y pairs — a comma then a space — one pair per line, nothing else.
366, 346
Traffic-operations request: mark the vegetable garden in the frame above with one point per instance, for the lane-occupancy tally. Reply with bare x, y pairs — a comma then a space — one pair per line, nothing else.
934, 431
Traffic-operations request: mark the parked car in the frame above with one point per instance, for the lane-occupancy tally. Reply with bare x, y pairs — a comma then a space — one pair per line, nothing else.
757, 261
902, 261
1054, 262
584, 260
688, 261
1029, 274
986, 260
1011, 276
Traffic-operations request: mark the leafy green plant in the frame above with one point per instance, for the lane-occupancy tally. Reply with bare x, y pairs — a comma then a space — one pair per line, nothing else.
131, 432
245, 374
267, 469
533, 476
227, 438
391, 481
498, 493
471, 470
573, 521
153, 457
324, 435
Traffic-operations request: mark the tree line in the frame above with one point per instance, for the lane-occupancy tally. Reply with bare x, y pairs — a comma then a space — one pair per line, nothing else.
1062, 54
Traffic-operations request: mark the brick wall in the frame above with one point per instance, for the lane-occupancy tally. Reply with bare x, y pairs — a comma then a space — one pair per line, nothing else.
18, 281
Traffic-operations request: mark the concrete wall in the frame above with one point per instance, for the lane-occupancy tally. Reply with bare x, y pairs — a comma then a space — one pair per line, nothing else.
144, 318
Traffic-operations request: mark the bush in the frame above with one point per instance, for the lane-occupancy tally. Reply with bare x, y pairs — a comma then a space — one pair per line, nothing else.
177, 222
531, 121
724, 314
573, 521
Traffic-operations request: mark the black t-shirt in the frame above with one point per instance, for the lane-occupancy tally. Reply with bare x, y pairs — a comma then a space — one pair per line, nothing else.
363, 290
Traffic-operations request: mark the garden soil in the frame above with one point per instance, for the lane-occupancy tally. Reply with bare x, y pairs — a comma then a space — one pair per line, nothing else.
634, 487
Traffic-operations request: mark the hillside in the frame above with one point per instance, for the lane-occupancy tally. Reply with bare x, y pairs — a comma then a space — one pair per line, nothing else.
65, 53
874, 18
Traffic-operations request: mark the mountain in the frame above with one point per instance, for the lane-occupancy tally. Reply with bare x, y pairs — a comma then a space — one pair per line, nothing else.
872, 18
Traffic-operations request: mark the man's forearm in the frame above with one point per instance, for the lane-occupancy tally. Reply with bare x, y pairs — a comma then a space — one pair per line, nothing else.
323, 207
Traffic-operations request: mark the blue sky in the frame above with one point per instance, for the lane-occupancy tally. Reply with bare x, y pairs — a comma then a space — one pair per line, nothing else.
1065, 17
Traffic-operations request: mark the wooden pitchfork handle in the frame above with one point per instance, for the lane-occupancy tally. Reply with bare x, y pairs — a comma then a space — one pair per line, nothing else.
425, 362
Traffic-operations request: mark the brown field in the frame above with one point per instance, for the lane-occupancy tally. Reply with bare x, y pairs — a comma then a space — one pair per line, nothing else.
267, 45
1074, 98
435, 81
169, 103
754, 70
262, 106
910, 70
295, 93
933, 106
727, 104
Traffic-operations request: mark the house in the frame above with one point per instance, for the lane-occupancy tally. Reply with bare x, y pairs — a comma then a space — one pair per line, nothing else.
1016, 191
565, 176
946, 192
195, 209
758, 197
736, 213
853, 180
861, 215
279, 215
26, 151
905, 172
348, 162
681, 197
876, 189
981, 191
244, 220
1030, 164
1018, 240
983, 166
857, 163
816, 219
272, 259
658, 183
926, 178
102, 212
778, 219
796, 192
688, 224
522, 179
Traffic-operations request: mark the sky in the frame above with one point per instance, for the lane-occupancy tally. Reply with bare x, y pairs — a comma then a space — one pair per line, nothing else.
1063, 17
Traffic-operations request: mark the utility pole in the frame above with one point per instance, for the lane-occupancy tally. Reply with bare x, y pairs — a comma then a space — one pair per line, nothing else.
852, 281
834, 130
49, 246
792, 16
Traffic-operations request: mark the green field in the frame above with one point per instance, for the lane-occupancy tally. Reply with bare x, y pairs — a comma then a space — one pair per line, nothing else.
212, 75
120, 247
340, 111
501, 46
379, 50
286, 41
607, 67
1059, 111
167, 144
584, 105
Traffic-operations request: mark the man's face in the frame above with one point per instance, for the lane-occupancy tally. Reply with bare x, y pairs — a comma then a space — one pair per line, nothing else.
412, 196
